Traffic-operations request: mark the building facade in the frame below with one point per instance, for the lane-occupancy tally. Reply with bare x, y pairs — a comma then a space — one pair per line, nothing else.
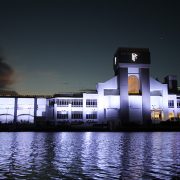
131, 96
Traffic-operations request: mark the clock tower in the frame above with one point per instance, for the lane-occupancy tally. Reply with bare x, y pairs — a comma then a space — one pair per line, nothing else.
131, 66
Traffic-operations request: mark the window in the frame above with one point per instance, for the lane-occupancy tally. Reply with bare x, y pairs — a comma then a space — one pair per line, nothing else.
62, 115
91, 103
171, 103
77, 115
133, 84
156, 115
77, 103
62, 102
51, 103
178, 104
91, 116
66, 102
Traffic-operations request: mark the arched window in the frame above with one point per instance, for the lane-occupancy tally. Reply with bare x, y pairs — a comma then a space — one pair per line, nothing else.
133, 84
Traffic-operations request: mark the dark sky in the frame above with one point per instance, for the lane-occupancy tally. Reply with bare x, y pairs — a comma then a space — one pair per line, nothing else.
68, 45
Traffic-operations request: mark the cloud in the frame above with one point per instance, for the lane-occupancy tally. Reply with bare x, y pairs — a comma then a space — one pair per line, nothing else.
6, 74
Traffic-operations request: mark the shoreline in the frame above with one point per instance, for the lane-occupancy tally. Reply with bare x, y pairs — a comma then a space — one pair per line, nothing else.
164, 127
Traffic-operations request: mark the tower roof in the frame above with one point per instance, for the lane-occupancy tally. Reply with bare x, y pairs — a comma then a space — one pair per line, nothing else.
132, 55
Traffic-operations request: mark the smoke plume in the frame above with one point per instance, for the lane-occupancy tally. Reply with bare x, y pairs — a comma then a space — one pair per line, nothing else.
6, 74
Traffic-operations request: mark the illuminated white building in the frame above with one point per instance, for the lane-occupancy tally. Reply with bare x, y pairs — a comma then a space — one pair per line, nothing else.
131, 96
21, 109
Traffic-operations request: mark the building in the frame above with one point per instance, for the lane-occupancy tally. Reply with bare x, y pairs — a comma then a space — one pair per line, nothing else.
131, 96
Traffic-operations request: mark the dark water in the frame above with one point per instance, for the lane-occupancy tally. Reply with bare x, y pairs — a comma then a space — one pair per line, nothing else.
89, 155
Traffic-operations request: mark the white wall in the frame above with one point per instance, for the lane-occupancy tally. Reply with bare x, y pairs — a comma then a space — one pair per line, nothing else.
156, 102
105, 102
89, 110
135, 108
109, 84
6, 109
41, 106
160, 96
25, 109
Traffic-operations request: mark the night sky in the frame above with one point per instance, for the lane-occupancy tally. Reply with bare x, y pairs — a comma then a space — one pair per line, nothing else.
68, 45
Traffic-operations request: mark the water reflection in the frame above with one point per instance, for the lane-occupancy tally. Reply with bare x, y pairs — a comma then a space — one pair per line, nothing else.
89, 155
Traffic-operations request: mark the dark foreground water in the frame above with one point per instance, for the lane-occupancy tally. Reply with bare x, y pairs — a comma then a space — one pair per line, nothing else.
89, 155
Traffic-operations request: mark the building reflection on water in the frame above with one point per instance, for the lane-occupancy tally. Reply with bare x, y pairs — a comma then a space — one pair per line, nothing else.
89, 155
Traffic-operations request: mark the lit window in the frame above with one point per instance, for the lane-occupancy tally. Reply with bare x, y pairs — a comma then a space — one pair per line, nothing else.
156, 115
133, 84
171, 115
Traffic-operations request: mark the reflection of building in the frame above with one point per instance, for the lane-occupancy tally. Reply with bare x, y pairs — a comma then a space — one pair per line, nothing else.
130, 96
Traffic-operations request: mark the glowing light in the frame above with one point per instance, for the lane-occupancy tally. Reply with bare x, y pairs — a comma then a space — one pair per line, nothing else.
171, 115
133, 84
115, 60
134, 57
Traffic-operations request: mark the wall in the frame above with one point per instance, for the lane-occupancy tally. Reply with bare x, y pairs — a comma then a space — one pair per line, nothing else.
7, 109
135, 109
25, 110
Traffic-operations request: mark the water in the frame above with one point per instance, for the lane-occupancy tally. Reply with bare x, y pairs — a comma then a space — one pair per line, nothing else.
89, 155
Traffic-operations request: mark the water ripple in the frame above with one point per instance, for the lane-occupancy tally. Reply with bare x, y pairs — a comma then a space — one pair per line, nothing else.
89, 155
